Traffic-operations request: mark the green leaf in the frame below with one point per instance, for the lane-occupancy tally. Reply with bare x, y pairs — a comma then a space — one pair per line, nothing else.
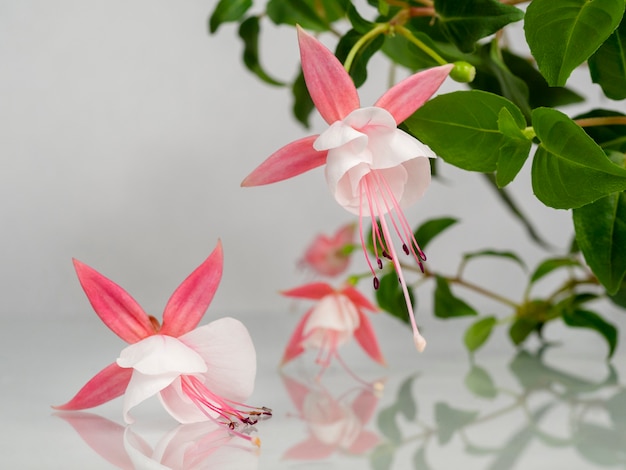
390, 297
450, 420
549, 265
607, 137
608, 64
619, 298
387, 424
419, 460
467, 21
381, 458
601, 235
520, 329
432, 228
309, 14
563, 34
249, 31
479, 382
514, 152
357, 21
500, 254
227, 11
446, 305
569, 169
462, 128
478, 333
405, 404
403, 52
302, 102
358, 68
585, 319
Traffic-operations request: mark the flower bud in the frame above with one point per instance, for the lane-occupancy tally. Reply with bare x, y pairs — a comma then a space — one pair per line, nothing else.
463, 72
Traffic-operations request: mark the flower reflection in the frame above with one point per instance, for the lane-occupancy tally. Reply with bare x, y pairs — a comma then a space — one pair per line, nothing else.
203, 445
335, 424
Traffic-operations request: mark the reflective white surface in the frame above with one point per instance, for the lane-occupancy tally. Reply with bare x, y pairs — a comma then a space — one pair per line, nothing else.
508, 410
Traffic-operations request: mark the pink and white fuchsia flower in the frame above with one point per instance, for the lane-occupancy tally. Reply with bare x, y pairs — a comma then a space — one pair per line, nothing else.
330, 255
337, 316
198, 373
373, 169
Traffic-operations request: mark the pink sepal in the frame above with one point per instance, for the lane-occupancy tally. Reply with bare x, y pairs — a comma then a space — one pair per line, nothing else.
115, 307
366, 337
297, 391
406, 97
291, 160
365, 442
313, 291
364, 406
359, 299
330, 86
190, 300
309, 449
109, 383
294, 347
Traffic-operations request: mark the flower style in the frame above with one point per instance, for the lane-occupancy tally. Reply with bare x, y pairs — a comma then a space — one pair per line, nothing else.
199, 373
335, 424
336, 317
329, 256
373, 169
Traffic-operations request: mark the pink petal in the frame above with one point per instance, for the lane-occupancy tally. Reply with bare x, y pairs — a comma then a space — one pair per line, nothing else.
115, 307
406, 97
298, 392
189, 302
109, 383
364, 406
105, 437
366, 337
329, 85
291, 160
313, 291
310, 449
366, 441
294, 347
359, 299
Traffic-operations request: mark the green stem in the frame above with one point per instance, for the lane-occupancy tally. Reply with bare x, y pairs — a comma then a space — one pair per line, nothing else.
371, 34
409, 35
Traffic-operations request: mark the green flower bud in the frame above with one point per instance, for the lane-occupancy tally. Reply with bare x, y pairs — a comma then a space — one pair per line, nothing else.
463, 72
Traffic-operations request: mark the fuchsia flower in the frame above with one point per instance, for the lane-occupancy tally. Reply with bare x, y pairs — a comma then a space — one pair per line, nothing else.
373, 169
198, 373
329, 256
337, 316
334, 424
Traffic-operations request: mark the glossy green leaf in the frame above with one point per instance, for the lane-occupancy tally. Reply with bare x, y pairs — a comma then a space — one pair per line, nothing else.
549, 265
358, 68
521, 329
479, 382
491, 253
432, 228
513, 152
446, 304
462, 128
227, 11
359, 23
569, 169
249, 31
585, 319
451, 420
601, 234
608, 64
302, 103
478, 333
563, 34
390, 297
619, 298
465, 22
316, 15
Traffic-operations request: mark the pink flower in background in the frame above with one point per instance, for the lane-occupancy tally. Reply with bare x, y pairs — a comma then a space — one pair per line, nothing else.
198, 373
334, 424
373, 169
337, 316
330, 256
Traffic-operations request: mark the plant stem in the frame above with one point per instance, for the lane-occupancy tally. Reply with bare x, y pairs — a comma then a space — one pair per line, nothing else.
602, 121
409, 35
371, 34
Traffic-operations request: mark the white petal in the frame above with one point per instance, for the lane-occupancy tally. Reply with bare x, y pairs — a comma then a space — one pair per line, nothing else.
396, 148
142, 387
179, 406
339, 134
418, 172
160, 354
333, 312
136, 454
371, 120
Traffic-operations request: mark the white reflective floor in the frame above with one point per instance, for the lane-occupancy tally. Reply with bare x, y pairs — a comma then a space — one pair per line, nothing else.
565, 409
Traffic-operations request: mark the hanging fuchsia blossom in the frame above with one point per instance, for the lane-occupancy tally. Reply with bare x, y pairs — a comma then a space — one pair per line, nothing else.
198, 373
337, 316
330, 256
373, 169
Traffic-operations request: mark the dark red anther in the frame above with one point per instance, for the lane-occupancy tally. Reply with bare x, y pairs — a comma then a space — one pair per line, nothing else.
376, 283
386, 255
380, 263
405, 249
